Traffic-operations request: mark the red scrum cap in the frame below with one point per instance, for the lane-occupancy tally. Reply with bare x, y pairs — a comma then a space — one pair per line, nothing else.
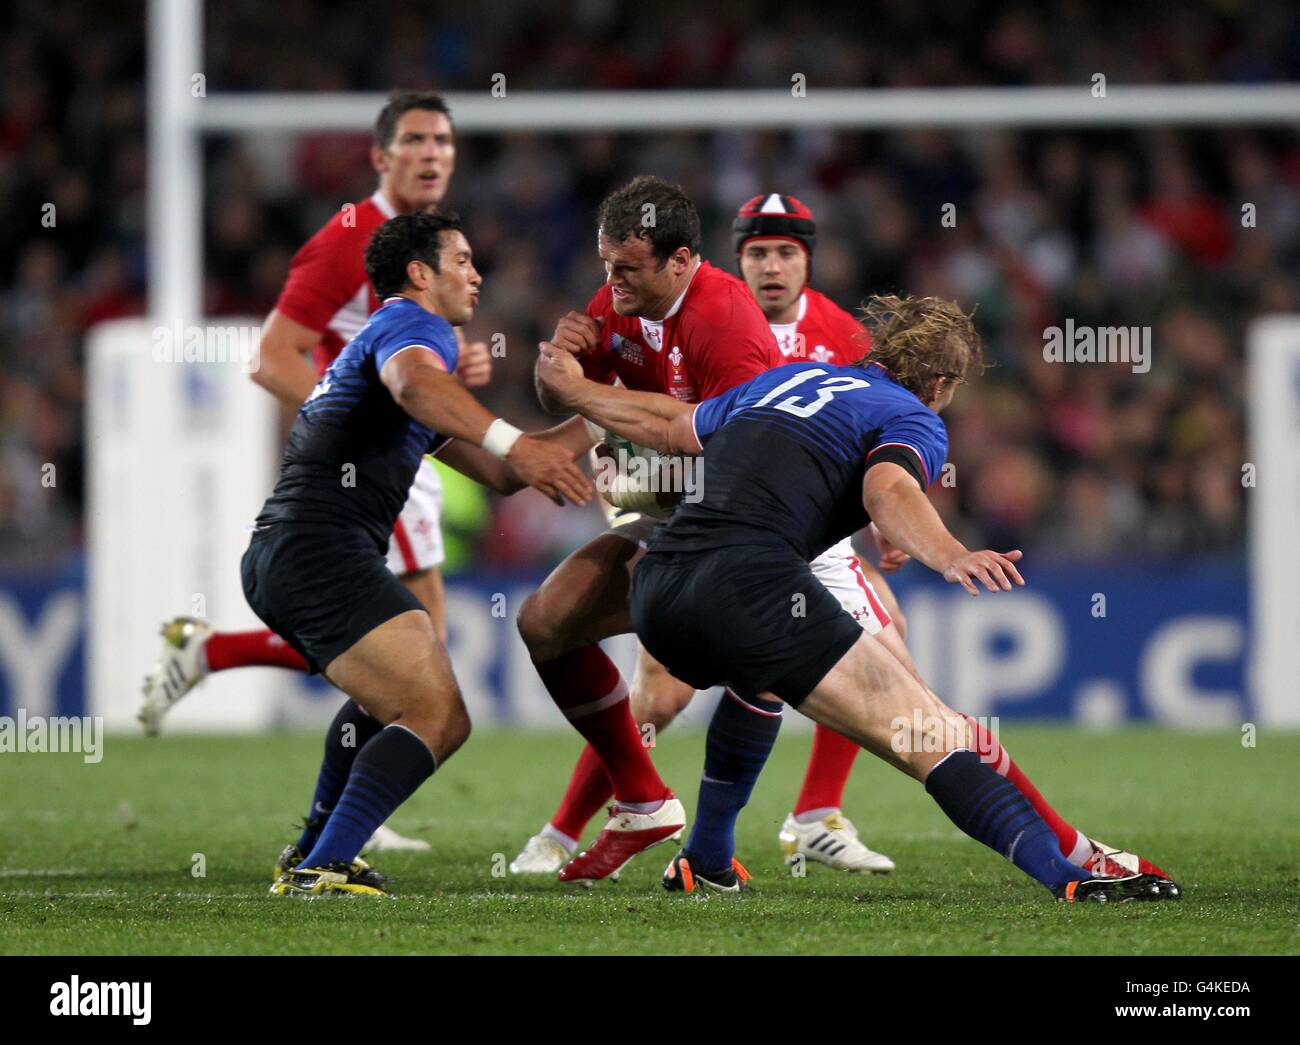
773, 216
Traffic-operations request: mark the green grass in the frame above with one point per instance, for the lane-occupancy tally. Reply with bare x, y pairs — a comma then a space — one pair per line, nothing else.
97, 859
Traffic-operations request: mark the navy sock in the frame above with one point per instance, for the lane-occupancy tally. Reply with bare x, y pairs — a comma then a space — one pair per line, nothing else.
991, 810
350, 731
740, 738
385, 774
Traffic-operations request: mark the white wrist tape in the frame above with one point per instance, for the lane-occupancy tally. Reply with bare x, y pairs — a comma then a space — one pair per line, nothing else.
501, 436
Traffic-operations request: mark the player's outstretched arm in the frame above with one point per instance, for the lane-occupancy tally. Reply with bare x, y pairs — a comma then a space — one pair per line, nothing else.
283, 368
904, 515
435, 398
483, 468
646, 418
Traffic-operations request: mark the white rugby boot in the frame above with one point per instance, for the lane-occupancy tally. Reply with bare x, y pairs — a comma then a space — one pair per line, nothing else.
541, 854
181, 666
833, 841
385, 838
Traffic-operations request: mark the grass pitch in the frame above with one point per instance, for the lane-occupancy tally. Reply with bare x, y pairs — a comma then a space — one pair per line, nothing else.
105, 859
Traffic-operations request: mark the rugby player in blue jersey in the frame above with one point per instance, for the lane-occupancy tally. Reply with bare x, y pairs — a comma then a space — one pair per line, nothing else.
796, 459
316, 570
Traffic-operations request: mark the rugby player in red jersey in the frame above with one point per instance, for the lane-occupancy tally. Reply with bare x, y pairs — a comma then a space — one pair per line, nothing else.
665, 321
325, 301
774, 238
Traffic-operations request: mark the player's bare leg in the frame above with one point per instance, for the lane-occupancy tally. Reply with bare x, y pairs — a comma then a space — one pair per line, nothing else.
1075, 846
400, 675
429, 588
584, 600
869, 697
816, 830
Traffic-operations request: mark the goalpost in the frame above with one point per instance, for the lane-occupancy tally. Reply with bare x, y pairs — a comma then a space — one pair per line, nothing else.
182, 110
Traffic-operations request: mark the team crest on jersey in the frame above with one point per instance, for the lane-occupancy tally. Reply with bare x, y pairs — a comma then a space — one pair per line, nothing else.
822, 354
626, 349
677, 360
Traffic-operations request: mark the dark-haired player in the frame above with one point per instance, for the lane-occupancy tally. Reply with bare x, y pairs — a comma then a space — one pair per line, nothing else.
325, 301
798, 459
316, 571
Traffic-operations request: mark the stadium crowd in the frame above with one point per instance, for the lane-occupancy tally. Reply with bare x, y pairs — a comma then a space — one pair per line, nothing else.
1121, 228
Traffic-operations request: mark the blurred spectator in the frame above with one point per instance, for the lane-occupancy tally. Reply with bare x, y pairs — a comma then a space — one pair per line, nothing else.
1133, 228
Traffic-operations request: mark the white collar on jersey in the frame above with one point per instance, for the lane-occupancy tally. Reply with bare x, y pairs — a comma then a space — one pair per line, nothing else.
381, 201
789, 328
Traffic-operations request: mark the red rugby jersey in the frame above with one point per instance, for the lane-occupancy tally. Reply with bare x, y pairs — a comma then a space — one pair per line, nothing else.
328, 289
714, 337
823, 332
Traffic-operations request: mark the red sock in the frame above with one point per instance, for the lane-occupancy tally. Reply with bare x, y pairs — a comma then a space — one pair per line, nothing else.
247, 649
588, 790
587, 687
828, 770
1073, 843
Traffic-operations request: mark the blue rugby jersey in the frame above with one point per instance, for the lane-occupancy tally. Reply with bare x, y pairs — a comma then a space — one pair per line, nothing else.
353, 452
786, 453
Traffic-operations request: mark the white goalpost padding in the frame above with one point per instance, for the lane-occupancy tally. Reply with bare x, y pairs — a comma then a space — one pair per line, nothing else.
1273, 346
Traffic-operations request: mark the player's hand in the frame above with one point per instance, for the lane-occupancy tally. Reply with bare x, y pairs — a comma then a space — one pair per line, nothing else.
474, 367
995, 569
892, 557
577, 333
550, 469
558, 372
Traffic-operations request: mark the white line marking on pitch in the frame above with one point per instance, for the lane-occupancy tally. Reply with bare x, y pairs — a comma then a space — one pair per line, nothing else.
39, 872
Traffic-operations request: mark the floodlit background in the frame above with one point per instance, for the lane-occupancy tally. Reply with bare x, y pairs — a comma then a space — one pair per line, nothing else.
1157, 510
